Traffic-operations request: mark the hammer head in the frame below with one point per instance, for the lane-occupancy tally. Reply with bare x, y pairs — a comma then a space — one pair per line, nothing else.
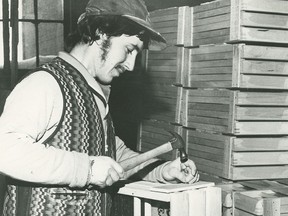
177, 142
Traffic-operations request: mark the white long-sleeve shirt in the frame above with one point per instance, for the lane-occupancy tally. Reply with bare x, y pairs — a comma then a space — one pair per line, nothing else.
31, 114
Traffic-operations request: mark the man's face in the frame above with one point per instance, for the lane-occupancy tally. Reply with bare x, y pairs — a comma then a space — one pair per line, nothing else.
117, 55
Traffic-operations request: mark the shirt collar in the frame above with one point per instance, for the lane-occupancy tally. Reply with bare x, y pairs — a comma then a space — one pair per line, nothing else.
88, 77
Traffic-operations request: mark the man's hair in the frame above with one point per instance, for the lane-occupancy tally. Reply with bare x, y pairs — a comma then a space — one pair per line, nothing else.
112, 25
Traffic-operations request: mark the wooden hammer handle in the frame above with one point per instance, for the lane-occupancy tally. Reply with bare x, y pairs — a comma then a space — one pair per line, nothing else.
130, 163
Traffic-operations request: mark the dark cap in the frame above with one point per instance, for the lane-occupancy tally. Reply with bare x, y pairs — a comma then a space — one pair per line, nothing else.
134, 10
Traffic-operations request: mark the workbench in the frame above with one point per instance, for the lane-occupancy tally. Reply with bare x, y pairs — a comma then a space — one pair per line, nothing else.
199, 199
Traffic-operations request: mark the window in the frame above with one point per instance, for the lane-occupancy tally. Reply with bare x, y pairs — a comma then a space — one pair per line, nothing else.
32, 33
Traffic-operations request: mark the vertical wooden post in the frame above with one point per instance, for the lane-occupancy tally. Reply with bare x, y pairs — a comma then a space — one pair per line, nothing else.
147, 208
272, 206
137, 206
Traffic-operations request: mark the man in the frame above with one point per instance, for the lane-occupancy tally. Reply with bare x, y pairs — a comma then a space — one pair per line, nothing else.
57, 139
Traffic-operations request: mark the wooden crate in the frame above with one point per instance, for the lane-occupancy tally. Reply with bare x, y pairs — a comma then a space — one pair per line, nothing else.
250, 198
172, 23
164, 68
238, 112
260, 202
234, 21
238, 66
199, 199
239, 158
166, 65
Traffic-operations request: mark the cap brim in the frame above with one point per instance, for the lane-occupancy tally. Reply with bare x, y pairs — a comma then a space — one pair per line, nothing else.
157, 41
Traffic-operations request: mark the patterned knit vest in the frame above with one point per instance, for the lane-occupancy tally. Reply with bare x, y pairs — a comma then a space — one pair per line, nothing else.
81, 130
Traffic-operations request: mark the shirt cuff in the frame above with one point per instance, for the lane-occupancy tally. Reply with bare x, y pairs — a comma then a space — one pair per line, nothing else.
81, 170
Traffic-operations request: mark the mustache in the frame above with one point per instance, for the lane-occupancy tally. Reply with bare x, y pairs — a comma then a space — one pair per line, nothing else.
121, 68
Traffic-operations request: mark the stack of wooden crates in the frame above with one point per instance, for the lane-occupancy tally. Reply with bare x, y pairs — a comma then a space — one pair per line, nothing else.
222, 83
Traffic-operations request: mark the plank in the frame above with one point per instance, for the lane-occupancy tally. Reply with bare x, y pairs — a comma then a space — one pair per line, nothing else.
264, 52
163, 18
261, 98
164, 12
239, 212
172, 188
259, 128
207, 120
197, 203
207, 127
264, 20
261, 113
264, 67
213, 201
179, 204
259, 158
211, 56
263, 35
260, 144
276, 6
258, 172
210, 20
210, 13
210, 27
211, 6
205, 154
168, 23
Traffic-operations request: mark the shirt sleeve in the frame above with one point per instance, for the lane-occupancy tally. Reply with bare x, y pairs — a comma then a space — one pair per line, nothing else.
32, 111
150, 170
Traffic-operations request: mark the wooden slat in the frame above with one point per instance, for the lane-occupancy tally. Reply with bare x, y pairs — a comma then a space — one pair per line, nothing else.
179, 202
211, 6
261, 98
259, 158
275, 6
265, 20
197, 203
264, 35
261, 113
260, 144
265, 68
264, 52
259, 128
258, 172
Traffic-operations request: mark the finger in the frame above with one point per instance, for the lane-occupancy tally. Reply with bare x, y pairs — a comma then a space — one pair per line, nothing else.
116, 166
113, 174
184, 168
181, 176
195, 178
191, 178
109, 181
191, 166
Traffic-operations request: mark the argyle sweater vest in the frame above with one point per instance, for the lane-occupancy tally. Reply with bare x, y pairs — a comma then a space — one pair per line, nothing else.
81, 130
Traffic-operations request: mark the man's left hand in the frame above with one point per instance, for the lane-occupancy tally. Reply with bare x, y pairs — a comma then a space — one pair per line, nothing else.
183, 172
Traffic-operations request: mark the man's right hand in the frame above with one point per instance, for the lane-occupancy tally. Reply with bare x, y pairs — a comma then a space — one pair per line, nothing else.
104, 171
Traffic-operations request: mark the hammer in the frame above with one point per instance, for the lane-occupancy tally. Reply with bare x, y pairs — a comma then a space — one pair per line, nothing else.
176, 142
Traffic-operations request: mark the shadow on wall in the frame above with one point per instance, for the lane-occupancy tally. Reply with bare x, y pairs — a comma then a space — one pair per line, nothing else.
133, 99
